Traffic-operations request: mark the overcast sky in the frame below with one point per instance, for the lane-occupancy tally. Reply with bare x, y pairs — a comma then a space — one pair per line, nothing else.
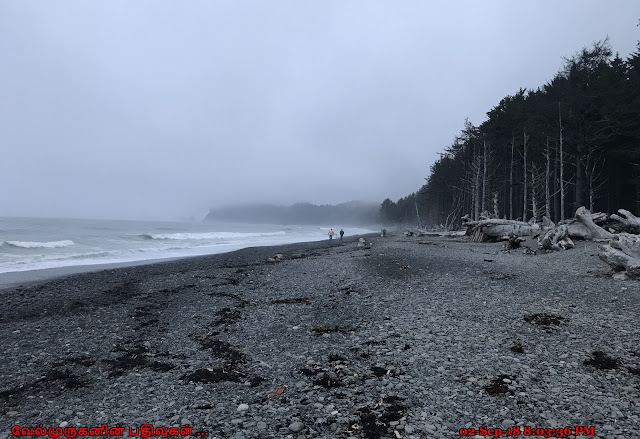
161, 109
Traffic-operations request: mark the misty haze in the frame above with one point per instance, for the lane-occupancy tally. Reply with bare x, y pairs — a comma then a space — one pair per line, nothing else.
352, 220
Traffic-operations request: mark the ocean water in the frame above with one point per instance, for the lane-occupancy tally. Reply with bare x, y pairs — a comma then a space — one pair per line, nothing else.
40, 243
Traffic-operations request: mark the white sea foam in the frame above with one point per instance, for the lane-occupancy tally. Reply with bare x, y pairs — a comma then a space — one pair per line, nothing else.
36, 244
33, 244
210, 235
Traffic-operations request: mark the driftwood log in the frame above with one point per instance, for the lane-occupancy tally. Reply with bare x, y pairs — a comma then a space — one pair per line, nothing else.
556, 239
628, 222
595, 231
623, 254
497, 228
578, 230
585, 225
582, 226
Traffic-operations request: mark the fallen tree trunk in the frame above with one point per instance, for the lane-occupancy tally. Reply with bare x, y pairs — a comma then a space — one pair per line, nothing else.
623, 254
556, 239
628, 222
578, 231
595, 231
497, 228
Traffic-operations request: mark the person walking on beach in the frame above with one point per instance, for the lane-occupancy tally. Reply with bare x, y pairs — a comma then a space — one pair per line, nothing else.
331, 233
341, 234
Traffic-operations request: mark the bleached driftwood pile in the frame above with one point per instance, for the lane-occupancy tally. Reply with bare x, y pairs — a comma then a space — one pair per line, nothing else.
623, 254
629, 222
556, 238
621, 230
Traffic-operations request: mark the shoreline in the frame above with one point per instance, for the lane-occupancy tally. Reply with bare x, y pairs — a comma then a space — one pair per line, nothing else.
14, 279
414, 336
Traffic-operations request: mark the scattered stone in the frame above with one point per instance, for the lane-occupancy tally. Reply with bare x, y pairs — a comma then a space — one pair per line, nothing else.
296, 426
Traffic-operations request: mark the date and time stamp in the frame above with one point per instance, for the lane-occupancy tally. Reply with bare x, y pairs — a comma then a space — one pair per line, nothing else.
528, 431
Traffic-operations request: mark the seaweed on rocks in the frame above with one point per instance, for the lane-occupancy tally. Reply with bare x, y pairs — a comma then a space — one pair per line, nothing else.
226, 316
375, 421
82, 360
149, 322
379, 371
545, 321
329, 329
324, 377
328, 380
601, 360
501, 276
159, 366
53, 381
498, 385
234, 361
76, 306
65, 378
291, 301
255, 381
135, 358
213, 375
131, 359
221, 349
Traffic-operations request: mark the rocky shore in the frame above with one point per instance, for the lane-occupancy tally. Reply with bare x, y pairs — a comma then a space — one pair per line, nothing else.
403, 338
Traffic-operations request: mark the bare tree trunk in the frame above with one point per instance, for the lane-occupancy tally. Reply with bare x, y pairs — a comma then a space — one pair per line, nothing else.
476, 192
636, 175
525, 188
534, 183
513, 141
484, 175
547, 189
593, 170
495, 205
561, 166
579, 187
418, 215
476, 169
556, 186
592, 191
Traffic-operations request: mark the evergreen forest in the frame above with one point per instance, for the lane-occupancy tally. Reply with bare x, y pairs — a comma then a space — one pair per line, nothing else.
572, 142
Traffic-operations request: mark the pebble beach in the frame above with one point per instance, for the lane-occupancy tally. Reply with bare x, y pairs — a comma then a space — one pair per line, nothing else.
406, 337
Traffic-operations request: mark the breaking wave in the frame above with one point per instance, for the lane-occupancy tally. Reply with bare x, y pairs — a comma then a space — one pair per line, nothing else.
36, 244
210, 235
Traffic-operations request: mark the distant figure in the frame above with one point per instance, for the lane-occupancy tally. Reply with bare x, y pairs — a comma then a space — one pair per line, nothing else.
341, 234
331, 233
